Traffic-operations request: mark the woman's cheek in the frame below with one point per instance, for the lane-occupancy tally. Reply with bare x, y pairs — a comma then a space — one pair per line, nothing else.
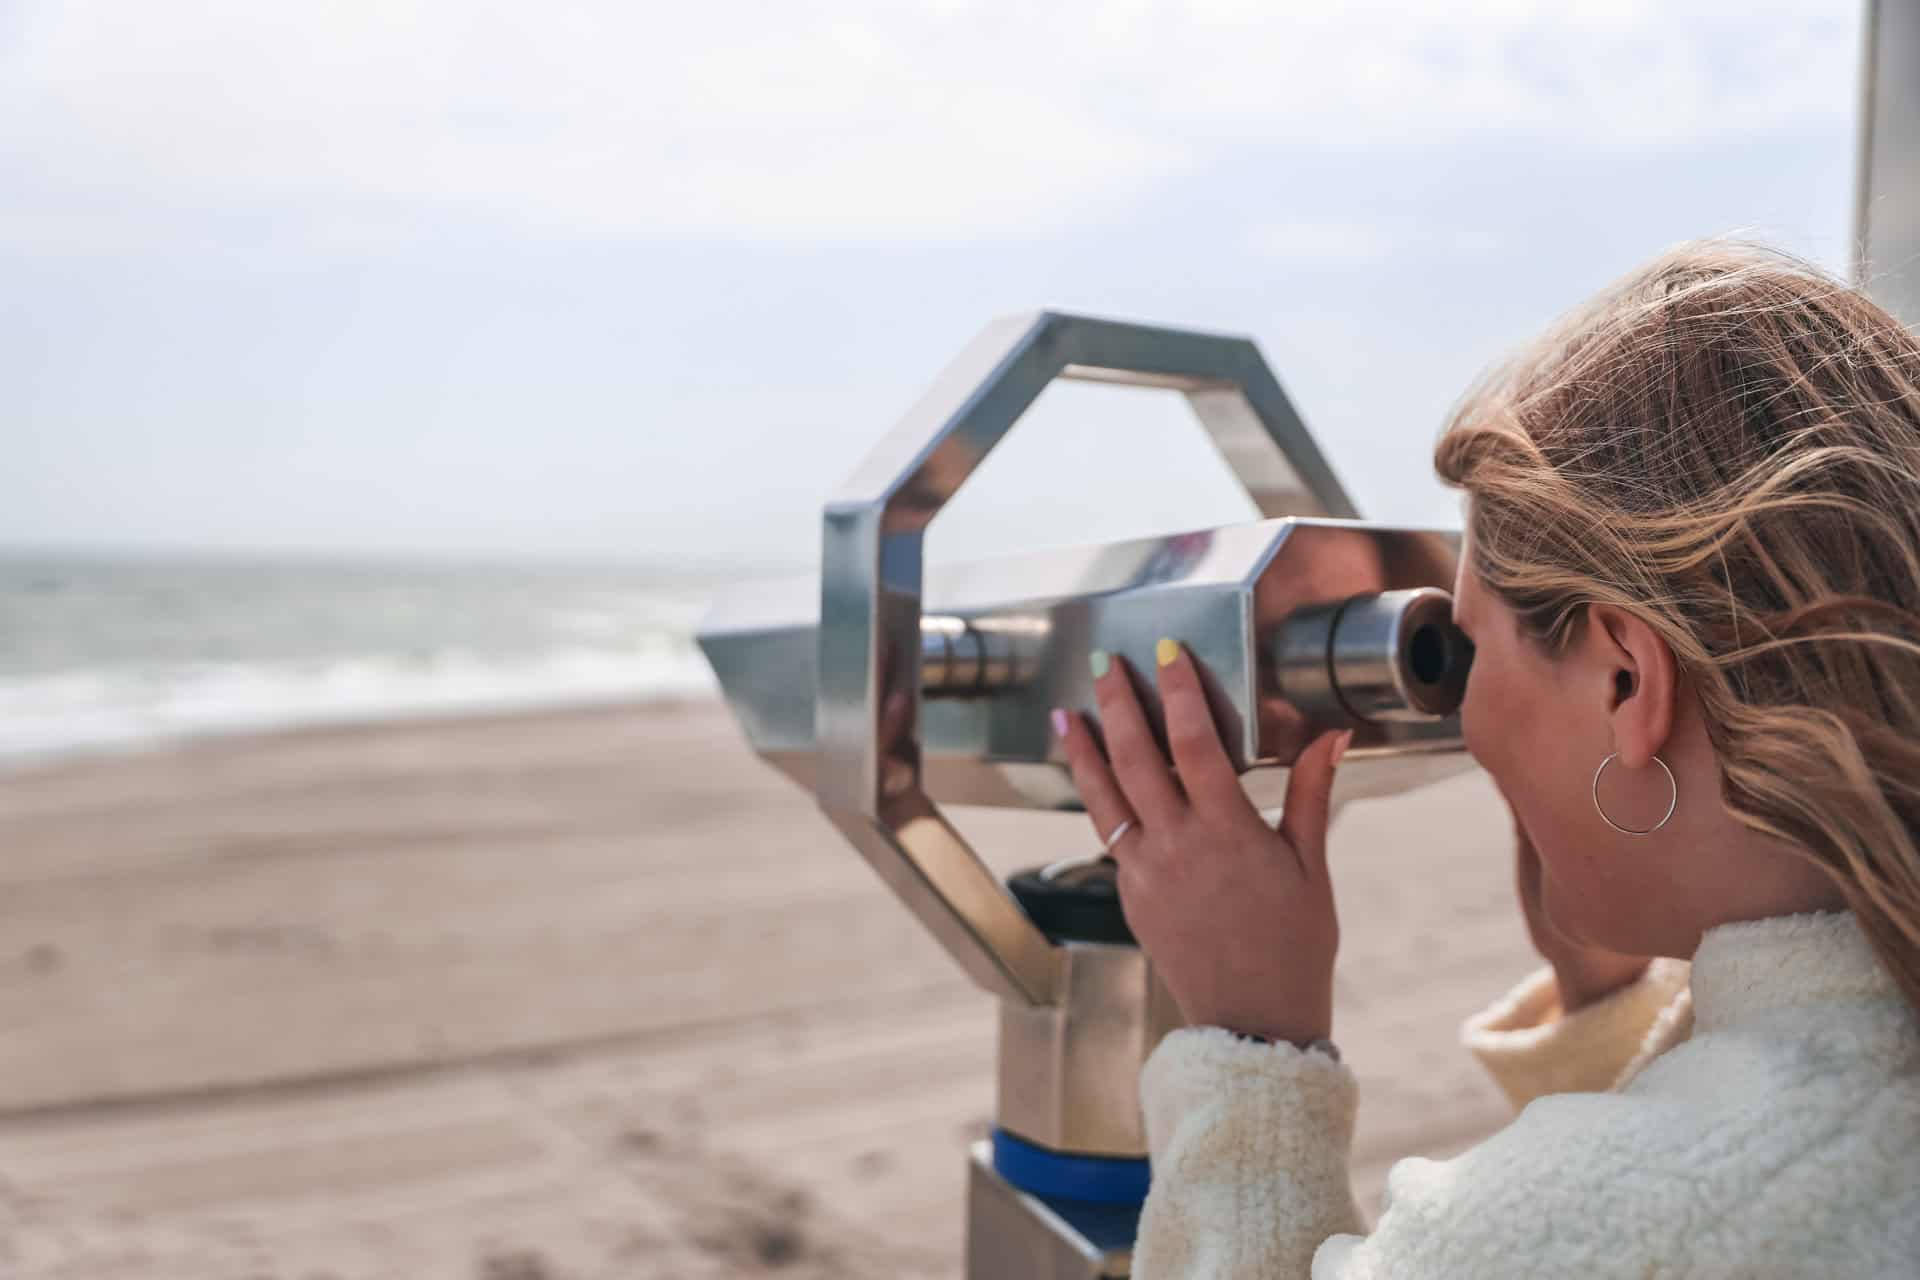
1482, 718
1470, 720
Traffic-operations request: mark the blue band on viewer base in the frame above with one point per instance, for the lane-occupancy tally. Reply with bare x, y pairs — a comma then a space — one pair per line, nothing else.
1102, 1179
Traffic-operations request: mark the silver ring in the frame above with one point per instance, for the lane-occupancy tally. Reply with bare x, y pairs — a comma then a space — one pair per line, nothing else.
1118, 831
1629, 831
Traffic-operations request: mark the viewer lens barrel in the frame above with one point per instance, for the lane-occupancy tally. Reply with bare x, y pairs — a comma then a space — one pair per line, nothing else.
1390, 657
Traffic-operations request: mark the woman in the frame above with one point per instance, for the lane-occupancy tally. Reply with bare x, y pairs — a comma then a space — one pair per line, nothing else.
1692, 577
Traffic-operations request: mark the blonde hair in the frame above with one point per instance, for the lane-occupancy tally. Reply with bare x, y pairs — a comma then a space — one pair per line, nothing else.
1727, 444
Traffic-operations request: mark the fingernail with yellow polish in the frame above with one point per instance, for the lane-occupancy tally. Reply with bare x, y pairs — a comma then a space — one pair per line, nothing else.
1100, 662
1166, 651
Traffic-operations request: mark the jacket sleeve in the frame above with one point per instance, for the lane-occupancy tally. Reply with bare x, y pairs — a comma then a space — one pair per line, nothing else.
1250, 1145
1531, 1048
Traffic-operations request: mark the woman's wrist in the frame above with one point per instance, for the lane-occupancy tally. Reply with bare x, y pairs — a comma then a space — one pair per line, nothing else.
1319, 1044
1307, 1022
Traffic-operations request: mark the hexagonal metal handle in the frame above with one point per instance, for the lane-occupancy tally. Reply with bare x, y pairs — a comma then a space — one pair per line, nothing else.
869, 781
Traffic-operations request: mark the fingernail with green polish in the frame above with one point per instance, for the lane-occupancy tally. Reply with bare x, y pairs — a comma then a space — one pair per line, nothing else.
1100, 661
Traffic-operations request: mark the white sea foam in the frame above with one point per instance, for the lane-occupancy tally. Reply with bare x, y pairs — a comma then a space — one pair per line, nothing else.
100, 654
60, 713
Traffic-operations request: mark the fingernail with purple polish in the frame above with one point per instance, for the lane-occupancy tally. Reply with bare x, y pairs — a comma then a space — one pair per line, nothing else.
1059, 719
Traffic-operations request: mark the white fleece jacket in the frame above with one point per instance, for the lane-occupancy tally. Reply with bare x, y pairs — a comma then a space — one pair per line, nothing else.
1764, 1123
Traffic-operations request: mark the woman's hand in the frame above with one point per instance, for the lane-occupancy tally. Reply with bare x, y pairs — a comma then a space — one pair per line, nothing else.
1585, 974
1237, 916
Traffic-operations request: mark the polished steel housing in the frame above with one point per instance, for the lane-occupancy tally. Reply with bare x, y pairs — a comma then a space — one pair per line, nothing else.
887, 689
930, 687
870, 780
1300, 625
1012, 1235
1057, 1083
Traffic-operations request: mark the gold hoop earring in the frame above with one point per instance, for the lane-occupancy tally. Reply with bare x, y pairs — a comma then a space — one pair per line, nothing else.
1672, 804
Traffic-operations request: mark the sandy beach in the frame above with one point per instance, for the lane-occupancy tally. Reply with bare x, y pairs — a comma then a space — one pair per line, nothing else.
575, 994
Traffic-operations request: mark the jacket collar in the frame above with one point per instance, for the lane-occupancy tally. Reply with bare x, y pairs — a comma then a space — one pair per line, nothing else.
1745, 971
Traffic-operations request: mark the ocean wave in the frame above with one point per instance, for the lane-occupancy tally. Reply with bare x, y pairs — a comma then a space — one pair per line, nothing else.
63, 712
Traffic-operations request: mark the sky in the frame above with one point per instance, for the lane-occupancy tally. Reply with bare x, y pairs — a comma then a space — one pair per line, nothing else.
645, 281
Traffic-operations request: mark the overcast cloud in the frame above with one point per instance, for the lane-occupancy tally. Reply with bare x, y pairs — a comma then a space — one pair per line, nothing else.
646, 279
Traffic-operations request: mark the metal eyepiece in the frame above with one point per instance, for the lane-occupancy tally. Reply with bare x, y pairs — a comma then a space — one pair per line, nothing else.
1391, 657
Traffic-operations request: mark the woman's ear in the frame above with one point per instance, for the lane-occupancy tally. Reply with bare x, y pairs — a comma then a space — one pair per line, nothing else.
1642, 676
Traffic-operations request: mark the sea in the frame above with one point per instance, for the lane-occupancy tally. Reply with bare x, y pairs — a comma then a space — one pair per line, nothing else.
115, 652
